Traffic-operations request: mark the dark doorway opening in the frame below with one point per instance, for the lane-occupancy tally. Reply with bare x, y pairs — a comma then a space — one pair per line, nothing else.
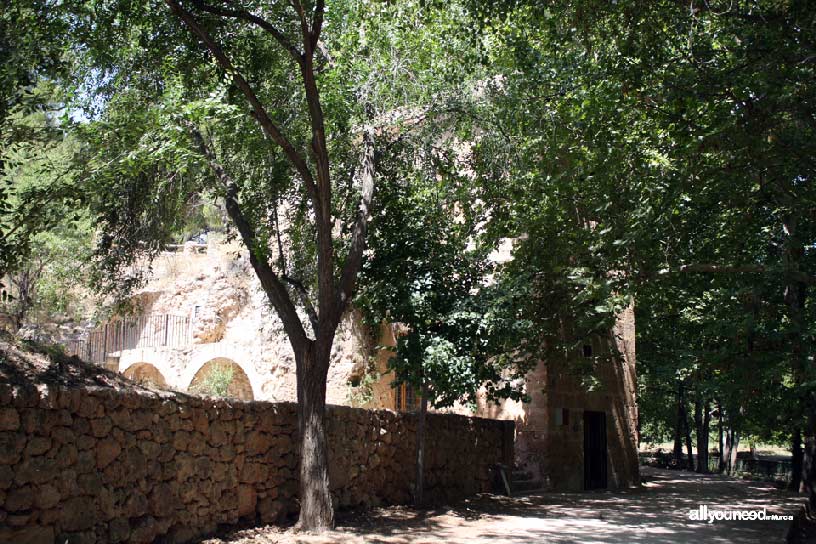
594, 450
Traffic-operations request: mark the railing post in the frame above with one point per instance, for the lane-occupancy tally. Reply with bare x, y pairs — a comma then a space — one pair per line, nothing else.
105, 344
166, 327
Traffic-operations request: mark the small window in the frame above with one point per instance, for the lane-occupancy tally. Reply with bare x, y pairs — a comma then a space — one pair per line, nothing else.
562, 417
405, 400
587, 350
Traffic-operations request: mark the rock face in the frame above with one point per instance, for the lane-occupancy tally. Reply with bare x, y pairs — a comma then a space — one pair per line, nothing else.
231, 318
95, 464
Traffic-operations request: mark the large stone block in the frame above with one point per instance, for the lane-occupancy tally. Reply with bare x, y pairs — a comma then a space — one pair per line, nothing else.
100, 427
11, 447
271, 510
257, 443
77, 514
36, 470
106, 451
247, 500
143, 530
20, 498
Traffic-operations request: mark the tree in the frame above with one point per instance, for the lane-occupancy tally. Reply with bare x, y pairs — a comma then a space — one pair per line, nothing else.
279, 120
31, 60
43, 225
430, 271
677, 141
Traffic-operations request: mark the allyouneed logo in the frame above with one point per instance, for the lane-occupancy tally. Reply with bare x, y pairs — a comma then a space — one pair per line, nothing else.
703, 513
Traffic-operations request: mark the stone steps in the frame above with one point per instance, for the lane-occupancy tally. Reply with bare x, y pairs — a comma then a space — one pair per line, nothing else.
523, 487
521, 482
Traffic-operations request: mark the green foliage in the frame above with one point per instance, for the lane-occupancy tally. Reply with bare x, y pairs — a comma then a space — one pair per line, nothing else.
216, 382
633, 139
428, 271
52, 284
45, 232
37, 181
634, 151
361, 389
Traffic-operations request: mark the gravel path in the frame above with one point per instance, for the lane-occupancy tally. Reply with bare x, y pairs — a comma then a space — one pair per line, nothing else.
655, 513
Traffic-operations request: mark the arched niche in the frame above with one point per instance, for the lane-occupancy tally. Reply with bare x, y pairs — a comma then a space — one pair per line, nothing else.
145, 373
222, 377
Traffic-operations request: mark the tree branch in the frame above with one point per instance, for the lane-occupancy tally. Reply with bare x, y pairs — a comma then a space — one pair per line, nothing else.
317, 22
275, 290
323, 214
306, 32
303, 293
351, 267
251, 18
259, 112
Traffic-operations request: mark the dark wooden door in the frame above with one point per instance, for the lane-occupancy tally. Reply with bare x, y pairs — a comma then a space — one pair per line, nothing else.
594, 450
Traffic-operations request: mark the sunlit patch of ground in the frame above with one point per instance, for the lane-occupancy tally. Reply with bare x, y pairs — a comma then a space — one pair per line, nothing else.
655, 513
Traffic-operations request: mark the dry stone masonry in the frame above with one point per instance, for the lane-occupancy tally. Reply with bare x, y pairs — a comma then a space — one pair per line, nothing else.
97, 464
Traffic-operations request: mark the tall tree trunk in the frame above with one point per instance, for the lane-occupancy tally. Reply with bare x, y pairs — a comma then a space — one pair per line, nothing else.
682, 432
316, 512
311, 356
678, 426
702, 420
796, 292
720, 437
687, 432
731, 447
420, 450
809, 467
797, 457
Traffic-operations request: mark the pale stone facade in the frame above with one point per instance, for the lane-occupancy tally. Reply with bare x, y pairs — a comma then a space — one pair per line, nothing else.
230, 321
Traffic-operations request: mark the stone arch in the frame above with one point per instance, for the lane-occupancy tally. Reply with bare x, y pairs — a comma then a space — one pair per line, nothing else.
145, 373
239, 387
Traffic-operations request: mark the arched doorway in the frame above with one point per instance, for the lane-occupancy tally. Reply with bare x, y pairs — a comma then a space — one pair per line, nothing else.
222, 377
145, 373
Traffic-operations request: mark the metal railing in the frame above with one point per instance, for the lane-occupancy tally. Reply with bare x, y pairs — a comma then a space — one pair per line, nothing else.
148, 331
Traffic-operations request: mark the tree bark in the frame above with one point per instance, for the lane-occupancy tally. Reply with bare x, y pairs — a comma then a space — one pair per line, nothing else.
809, 467
420, 450
731, 447
797, 458
702, 420
796, 292
316, 512
678, 427
687, 432
682, 431
721, 443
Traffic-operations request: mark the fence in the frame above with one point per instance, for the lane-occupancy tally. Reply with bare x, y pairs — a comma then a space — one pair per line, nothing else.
771, 470
149, 331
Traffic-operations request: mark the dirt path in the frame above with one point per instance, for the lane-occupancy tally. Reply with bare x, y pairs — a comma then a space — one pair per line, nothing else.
655, 513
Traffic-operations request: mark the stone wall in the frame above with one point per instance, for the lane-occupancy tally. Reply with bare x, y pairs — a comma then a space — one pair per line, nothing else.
96, 464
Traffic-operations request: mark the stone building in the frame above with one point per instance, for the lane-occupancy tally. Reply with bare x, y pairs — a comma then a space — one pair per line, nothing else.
567, 437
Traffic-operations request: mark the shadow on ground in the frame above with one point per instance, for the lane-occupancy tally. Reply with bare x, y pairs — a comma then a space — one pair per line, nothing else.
657, 512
